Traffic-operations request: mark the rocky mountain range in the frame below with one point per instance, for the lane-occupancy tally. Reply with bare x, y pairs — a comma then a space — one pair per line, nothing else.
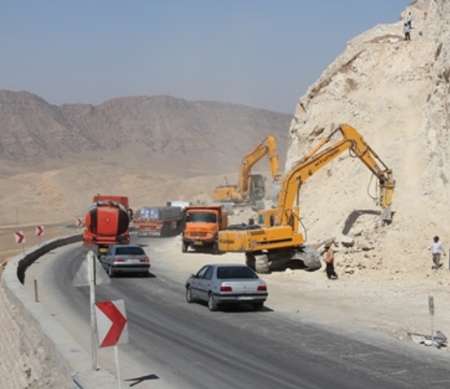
200, 136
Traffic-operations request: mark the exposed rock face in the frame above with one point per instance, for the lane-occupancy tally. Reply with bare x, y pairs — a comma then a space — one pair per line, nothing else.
207, 135
396, 93
28, 357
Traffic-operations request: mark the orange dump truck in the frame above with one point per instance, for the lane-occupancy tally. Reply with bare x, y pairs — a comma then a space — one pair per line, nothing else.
107, 221
201, 227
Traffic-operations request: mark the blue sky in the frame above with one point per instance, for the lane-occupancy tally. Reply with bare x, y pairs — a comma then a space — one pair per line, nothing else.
263, 53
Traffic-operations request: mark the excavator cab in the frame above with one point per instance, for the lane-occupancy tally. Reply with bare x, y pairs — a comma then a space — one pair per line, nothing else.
257, 187
251, 187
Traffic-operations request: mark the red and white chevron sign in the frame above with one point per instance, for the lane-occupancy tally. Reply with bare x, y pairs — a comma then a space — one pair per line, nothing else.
20, 237
39, 231
112, 323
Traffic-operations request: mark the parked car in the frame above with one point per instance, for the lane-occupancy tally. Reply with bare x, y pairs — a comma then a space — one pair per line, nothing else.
125, 259
220, 284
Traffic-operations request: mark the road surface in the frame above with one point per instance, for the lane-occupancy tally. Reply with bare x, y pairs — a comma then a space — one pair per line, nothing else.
187, 346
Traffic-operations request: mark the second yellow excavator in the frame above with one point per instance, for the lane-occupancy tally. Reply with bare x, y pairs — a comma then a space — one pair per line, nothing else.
278, 240
251, 187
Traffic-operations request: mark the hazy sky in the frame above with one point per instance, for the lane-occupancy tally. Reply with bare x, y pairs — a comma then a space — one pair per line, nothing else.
263, 53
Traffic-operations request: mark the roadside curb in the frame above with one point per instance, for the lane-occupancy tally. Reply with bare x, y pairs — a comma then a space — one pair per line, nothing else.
71, 355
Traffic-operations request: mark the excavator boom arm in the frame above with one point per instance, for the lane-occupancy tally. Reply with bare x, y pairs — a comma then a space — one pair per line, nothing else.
319, 157
268, 147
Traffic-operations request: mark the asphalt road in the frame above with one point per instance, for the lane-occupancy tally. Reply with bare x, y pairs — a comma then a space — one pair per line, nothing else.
240, 348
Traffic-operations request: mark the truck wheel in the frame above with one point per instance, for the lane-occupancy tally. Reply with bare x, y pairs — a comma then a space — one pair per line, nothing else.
184, 247
262, 264
250, 260
212, 303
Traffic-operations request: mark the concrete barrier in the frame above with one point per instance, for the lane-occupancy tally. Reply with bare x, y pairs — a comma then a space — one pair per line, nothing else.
41, 250
75, 358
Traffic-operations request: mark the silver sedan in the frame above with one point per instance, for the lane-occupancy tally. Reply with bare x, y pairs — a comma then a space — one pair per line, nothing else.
125, 259
225, 284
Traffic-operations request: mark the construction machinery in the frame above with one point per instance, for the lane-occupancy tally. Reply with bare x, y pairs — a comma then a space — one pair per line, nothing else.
201, 228
279, 240
251, 187
158, 221
106, 222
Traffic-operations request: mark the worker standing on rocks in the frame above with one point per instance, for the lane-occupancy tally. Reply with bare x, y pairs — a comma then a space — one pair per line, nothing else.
407, 31
407, 27
437, 250
329, 260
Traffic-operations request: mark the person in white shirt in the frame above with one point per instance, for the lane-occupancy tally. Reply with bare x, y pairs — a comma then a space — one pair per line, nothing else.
437, 250
407, 31
407, 27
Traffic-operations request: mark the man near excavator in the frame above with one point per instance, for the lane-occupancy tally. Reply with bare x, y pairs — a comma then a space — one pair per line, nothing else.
329, 260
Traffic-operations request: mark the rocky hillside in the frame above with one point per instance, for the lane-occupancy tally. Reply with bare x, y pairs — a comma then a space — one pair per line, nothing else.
397, 94
201, 136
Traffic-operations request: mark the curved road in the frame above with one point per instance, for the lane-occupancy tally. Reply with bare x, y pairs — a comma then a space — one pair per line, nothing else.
236, 348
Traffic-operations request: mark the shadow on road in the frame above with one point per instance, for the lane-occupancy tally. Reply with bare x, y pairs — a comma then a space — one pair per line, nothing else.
139, 380
244, 309
239, 308
204, 251
137, 275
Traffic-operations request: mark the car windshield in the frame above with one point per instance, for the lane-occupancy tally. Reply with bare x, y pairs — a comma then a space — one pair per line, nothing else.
129, 251
235, 272
201, 217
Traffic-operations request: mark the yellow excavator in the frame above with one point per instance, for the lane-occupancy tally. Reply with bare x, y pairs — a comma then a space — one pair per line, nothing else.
251, 187
278, 240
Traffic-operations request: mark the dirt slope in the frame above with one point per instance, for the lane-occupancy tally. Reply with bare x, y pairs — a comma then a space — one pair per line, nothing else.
154, 149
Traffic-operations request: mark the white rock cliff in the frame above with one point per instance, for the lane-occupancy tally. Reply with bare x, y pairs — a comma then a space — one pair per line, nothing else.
396, 93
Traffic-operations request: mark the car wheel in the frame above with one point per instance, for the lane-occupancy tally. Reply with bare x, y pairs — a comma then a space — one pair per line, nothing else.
212, 303
110, 272
258, 305
189, 298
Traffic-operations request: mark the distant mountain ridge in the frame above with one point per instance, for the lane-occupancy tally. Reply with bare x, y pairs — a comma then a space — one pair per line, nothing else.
154, 127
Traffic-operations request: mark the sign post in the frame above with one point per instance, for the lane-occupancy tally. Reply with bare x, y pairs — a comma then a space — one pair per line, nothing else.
20, 239
39, 231
116, 358
431, 311
78, 222
112, 327
91, 275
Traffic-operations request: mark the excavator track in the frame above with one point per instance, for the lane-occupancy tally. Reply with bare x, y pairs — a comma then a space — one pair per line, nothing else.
309, 256
279, 260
